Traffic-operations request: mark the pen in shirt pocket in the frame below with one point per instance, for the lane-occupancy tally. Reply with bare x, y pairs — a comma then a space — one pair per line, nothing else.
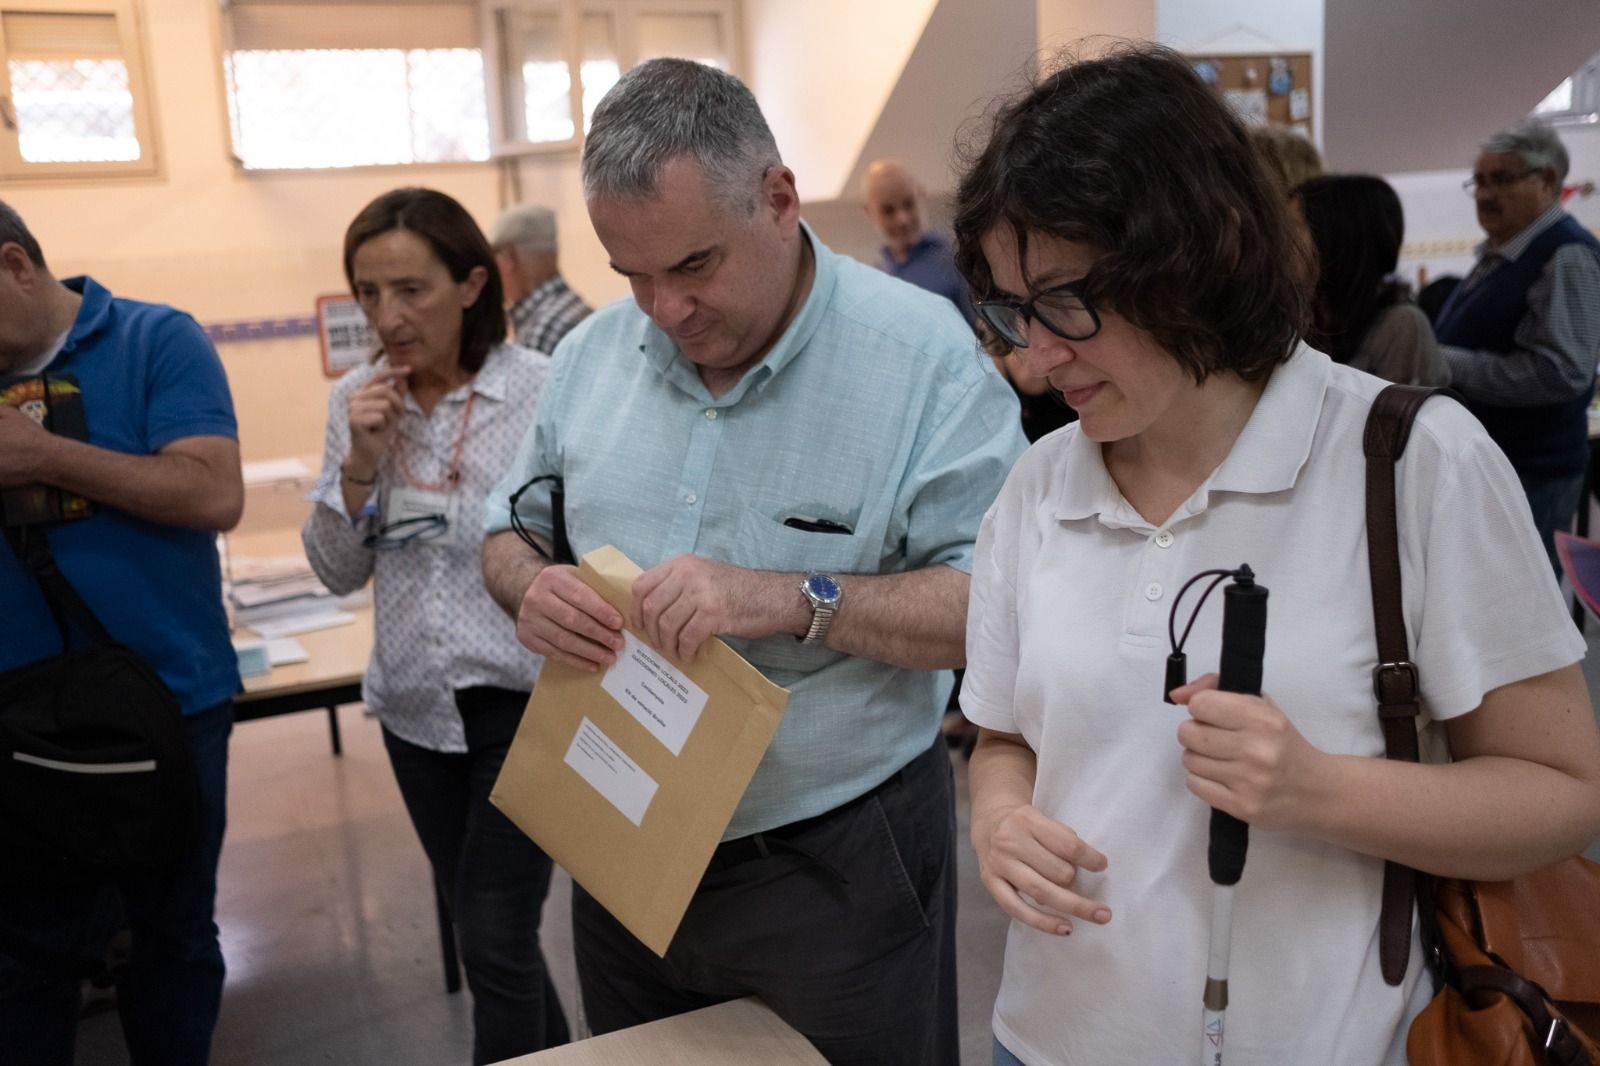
816, 525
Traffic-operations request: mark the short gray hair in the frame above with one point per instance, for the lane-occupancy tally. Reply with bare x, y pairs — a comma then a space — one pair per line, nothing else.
527, 227
14, 230
1536, 143
669, 108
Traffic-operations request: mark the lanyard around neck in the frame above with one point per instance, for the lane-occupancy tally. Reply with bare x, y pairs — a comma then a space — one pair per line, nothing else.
453, 475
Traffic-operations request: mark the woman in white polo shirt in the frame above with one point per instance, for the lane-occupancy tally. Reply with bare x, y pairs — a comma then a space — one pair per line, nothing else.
1122, 239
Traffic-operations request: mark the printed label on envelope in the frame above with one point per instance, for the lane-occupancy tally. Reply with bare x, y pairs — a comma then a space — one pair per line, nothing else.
615, 776
655, 692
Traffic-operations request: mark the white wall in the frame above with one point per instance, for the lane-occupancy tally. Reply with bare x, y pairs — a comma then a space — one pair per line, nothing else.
1416, 85
1065, 22
822, 70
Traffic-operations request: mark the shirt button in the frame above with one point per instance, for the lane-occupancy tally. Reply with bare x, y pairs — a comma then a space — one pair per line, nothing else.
1152, 591
711, 414
690, 499
1164, 539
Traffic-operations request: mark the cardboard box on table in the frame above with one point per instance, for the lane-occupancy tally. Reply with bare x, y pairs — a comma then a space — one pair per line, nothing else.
622, 781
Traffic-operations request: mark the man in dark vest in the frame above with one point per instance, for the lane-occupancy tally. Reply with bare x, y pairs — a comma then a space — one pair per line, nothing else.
1522, 332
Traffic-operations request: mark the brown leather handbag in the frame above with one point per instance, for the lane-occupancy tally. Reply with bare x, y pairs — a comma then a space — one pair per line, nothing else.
1516, 963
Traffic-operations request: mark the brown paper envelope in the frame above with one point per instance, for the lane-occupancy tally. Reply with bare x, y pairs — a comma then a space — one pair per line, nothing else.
644, 873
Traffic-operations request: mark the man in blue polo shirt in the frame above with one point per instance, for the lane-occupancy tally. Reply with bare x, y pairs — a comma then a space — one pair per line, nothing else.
911, 252
798, 450
161, 469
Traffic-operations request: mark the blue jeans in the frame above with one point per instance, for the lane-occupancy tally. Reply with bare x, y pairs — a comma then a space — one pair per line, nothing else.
493, 877
1554, 502
172, 990
1003, 1057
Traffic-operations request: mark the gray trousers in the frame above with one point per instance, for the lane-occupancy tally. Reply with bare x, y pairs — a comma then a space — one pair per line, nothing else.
843, 924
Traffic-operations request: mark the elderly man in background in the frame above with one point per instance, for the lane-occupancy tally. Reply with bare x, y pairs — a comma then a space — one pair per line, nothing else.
798, 450
543, 307
896, 203
1521, 334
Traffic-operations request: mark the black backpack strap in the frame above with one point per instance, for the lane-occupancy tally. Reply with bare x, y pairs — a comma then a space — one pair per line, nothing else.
32, 549
1395, 683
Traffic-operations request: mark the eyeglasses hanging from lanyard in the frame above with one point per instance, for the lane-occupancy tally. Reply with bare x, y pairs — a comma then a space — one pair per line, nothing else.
562, 550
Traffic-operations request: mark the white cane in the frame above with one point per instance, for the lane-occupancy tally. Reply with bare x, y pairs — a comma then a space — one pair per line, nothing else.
1244, 639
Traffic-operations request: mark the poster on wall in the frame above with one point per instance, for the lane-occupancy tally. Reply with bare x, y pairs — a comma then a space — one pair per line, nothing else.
342, 329
1299, 105
1249, 104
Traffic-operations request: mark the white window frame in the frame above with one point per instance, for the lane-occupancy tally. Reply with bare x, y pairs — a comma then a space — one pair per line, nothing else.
624, 15
131, 39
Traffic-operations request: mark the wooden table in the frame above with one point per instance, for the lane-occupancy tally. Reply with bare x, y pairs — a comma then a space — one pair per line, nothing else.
738, 1033
329, 677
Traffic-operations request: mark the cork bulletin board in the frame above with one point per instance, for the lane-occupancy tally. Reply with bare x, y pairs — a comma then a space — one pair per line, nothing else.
1266, 89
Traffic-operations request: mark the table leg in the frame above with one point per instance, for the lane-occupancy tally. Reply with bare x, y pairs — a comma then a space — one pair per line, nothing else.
333, 729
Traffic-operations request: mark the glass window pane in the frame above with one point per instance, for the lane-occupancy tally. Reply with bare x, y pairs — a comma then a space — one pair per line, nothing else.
599, 68
350, 107
1559, 100
73, 110
537, 74
697, 37
449, 115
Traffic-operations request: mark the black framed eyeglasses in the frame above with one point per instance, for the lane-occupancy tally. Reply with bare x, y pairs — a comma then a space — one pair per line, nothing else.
1063, 310
395, 535
1498, 180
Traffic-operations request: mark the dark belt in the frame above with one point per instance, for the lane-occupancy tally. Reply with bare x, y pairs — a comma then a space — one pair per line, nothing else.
780, 840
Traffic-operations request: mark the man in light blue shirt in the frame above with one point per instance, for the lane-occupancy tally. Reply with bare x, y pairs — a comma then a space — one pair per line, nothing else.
799, 450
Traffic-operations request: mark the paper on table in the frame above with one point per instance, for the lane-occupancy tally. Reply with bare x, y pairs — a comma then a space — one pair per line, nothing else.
284, 651
263, 471
290, 625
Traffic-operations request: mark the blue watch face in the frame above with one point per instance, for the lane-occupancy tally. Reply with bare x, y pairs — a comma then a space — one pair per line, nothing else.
823, 587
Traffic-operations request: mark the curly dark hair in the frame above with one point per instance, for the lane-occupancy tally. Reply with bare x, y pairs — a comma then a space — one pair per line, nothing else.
1132, 155
1357, 227
460, 245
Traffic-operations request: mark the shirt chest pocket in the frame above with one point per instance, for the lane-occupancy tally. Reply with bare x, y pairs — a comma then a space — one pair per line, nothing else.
764, 542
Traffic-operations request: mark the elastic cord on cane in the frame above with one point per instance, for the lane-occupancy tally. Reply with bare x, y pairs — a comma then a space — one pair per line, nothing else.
1178, 662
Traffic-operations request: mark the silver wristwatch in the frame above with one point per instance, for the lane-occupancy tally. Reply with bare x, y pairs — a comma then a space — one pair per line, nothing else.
824, 594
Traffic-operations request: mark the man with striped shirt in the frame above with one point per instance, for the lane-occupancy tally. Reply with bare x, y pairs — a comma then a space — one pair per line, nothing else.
543, 307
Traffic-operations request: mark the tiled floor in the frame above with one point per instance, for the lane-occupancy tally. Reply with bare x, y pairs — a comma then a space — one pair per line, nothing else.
328, 921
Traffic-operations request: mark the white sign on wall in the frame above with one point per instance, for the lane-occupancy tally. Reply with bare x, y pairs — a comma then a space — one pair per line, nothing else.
342, 328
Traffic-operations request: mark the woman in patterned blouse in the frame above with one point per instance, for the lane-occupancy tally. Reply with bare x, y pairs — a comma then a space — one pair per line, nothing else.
415, 442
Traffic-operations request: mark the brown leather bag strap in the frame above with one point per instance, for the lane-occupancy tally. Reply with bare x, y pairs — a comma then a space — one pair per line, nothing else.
1551, 1033
1394, 678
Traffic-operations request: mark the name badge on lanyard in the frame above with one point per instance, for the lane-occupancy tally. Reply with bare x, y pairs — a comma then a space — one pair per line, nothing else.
407, 511
427, 511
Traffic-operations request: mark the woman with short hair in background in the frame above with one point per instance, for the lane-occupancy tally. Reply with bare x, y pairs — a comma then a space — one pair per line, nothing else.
1362, 314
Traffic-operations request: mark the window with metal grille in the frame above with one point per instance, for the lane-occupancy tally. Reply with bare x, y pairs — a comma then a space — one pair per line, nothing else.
331, 83
552, 60
72, 90
347, 85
